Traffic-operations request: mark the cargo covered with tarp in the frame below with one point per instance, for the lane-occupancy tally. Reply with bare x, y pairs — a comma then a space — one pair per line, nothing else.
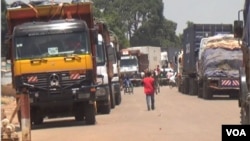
221, 57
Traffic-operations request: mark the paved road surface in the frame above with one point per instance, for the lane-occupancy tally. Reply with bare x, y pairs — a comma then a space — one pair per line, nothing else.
177, 117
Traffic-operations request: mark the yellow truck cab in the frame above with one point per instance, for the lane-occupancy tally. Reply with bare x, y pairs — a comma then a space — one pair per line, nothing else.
52, 49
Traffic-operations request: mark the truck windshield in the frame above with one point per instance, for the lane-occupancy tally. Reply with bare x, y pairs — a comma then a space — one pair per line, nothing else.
100, 56
128, 62
52, 45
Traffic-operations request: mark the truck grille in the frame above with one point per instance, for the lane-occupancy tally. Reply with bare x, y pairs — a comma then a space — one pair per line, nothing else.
53, 82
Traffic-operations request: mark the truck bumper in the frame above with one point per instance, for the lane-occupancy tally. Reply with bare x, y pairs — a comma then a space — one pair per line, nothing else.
44, 98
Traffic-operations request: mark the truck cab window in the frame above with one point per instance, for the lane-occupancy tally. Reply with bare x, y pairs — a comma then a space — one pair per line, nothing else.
52, 45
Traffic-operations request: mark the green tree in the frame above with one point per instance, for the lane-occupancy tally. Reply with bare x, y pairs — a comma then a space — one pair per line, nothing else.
140, 21
108, 11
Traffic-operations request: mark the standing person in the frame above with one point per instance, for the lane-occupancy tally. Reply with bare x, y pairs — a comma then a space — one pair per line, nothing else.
148, 84
128, 86
158, 69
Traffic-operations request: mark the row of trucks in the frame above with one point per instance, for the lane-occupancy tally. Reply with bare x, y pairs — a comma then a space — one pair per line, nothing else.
208, 64
134, 61
63, 63
242, 33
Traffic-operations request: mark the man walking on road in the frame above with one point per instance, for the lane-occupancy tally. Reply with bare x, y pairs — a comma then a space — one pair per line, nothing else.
148, 83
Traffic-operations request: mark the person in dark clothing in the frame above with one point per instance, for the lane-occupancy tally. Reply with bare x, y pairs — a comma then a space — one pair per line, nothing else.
149, 89
128, 86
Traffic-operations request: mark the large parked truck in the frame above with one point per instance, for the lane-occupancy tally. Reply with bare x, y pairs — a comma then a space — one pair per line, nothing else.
136, 60
104, 61
130, 65
116, 82
242, 32
179, 62
192, 36
52, 51
220, 57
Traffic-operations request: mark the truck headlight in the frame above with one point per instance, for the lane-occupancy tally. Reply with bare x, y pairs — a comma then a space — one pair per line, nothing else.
99, 79
100, 91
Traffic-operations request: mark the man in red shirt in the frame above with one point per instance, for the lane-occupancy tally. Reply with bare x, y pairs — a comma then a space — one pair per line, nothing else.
148, 84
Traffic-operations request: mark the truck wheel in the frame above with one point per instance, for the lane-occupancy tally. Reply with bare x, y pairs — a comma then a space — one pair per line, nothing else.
112, 100
206, 91
244, 114
90, 114
36, 116
199, 89
182, 88
37, 120
196, 88
191, 86
79, 111
118, 98
103, 107
112, 97
185, 86
199, 92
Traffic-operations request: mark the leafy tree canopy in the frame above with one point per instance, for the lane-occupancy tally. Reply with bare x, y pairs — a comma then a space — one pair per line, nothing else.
141, 22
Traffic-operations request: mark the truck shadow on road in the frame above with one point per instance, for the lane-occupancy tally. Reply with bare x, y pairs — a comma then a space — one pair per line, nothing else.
56, 124
221, 97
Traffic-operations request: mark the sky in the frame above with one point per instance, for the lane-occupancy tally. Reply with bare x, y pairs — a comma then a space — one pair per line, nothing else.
197, 11
201, 11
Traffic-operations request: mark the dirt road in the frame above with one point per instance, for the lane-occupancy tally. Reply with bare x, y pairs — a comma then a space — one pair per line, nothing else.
177, 117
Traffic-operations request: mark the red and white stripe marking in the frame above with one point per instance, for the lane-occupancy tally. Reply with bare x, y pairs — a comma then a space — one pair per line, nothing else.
32, 79
235, 83
230, 82
75, 76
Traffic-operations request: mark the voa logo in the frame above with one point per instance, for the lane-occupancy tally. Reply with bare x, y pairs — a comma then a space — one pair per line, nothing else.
236, 132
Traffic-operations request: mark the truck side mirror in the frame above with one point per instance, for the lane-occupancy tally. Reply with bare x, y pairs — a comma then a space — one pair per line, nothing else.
238, 29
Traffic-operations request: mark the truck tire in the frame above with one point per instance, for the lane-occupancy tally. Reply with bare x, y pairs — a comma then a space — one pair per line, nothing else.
112, 95
191, 86
103, 107
186, 86
200, 90
36, 116
196, 87
180, 84
90, 113
244, 114
206, 94
118, 98
79, 112
112, 100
